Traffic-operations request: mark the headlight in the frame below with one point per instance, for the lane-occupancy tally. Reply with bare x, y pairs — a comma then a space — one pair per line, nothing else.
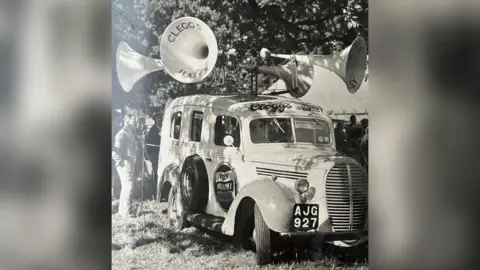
302, 186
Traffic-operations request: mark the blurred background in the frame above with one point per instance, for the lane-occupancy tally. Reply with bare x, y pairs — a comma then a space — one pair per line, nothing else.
55, 103
424, 63
56, 106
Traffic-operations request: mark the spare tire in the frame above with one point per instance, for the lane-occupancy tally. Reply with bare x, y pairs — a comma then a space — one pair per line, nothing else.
194, 185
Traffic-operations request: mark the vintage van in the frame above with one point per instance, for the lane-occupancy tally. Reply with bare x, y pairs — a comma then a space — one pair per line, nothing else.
260, 168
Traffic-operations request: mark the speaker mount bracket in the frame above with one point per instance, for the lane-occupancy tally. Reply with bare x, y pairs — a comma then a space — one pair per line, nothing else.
253, 74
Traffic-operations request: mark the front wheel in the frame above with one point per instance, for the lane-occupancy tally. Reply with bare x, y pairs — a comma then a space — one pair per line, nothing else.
175, 210
263, 238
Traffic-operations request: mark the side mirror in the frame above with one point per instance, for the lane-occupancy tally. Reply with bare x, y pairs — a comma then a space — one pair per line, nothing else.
228, 140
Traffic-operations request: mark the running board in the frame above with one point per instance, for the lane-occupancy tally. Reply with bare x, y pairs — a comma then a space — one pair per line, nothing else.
208, 221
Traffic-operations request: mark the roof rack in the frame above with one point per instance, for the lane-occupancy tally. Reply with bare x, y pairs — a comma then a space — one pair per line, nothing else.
277, 93
349, 113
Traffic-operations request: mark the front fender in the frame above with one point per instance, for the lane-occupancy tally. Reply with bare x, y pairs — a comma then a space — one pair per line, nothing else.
274, 203
170, 177
174, 175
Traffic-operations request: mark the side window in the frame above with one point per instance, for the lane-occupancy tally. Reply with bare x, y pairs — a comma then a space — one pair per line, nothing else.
197, 123
227, 125
176, 125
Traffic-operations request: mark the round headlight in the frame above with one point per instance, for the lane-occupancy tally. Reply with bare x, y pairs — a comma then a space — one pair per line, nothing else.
302, 186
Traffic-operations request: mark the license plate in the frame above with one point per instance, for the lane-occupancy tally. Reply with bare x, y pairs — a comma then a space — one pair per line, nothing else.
224, 186
305, 216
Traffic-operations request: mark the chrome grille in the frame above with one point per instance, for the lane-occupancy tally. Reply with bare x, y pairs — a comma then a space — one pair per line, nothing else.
281, 173
346, 190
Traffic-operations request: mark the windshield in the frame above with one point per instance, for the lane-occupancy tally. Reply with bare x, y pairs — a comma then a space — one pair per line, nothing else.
289, 130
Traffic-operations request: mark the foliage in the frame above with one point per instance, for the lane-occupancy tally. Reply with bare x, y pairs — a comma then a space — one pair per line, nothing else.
287, 26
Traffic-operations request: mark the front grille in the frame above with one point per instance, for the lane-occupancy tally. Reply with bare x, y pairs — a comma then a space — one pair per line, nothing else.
347, 197
281, 173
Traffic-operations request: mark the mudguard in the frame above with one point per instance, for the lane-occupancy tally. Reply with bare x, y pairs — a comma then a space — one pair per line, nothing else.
274, 203
172, 175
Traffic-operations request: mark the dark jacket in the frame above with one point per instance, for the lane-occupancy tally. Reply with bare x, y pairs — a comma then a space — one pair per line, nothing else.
153, 138
340, 139
354, 136
364, 144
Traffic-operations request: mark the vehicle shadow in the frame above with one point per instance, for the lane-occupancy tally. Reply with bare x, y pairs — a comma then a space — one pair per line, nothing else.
204, 242
343, 256
352, 255
217, 242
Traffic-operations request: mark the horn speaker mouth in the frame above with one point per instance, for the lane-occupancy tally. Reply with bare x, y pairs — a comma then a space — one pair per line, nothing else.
189, 52
200, 51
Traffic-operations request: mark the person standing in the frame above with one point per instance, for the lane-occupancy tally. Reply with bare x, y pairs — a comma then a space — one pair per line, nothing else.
140, 135
364, 146
116, 126
124, 153
340, 137
142, 127
364, 142
364, 124
153, 146
353, 133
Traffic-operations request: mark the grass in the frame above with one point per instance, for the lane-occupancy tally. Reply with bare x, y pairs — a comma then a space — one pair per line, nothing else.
147, 242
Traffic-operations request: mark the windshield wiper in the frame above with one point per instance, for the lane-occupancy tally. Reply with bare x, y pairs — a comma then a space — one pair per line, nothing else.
317, 121
276, 122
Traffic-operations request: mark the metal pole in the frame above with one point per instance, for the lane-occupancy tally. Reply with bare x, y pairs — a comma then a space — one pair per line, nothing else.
294, 75
143, 161
143, 170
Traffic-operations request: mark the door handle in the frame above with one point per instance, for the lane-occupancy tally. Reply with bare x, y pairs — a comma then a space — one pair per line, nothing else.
208, 159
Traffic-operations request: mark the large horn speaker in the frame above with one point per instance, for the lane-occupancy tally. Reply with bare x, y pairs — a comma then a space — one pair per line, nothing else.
131, 66
188, 52
297, 72
350, 64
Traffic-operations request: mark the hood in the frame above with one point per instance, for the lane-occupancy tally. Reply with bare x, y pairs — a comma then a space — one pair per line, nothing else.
300, 158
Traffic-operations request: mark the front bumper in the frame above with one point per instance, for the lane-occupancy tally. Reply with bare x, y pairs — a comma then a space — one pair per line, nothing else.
327, 236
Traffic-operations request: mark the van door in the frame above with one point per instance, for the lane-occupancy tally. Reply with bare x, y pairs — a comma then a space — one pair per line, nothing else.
164, 137
221, 157
171, 141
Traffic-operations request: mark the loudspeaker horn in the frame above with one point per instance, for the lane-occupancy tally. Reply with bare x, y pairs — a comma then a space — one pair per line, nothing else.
350, 64
297, 72
131, 66
188, 52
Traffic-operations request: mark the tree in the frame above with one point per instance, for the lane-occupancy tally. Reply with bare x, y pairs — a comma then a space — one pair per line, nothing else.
128, 26
287, 26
